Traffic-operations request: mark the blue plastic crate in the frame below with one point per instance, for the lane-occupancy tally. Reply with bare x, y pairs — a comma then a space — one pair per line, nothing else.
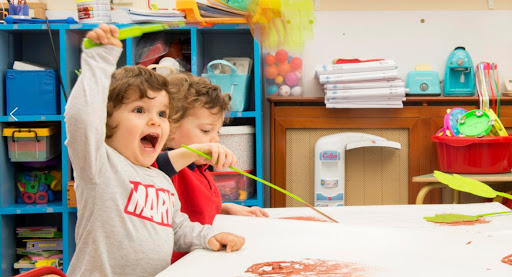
32, 92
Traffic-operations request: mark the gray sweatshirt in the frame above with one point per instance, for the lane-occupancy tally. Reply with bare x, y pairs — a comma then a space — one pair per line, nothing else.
129, 218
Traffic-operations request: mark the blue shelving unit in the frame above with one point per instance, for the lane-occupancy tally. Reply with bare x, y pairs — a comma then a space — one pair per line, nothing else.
25, 42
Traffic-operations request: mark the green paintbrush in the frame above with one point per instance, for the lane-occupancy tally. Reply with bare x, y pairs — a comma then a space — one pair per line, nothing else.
262, 181
450, 218
469, 185
135, 31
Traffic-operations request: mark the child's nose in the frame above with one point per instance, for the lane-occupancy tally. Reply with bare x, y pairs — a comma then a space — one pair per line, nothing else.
215, 138
153, 120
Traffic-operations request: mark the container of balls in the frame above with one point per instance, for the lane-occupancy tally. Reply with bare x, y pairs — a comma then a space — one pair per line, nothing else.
283, 73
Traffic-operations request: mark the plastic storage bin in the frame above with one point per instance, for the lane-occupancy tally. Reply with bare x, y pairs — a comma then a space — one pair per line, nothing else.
31, 144
240, 140
32, 92
233, 83
471, 155
234, 186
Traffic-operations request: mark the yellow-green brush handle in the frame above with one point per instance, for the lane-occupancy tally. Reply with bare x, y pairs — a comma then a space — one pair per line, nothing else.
502, 194
249, 175
130, 32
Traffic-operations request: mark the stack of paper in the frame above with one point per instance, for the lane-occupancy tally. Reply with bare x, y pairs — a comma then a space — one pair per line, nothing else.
138, 16
362, 85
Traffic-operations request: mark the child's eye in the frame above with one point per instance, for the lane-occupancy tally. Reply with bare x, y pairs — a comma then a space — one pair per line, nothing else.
138, 110
205, 131
162, 114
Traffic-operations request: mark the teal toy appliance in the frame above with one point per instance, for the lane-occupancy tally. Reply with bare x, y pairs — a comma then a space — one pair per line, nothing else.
459, 77
423, 81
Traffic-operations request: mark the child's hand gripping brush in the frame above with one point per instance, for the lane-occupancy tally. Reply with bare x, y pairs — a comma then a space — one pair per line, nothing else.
264, 182
135, 31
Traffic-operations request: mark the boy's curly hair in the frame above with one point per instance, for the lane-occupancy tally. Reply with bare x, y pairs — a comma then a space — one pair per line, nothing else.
189, 92
129, 80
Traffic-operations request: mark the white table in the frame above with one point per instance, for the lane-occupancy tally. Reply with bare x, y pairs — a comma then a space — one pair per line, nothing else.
385, 240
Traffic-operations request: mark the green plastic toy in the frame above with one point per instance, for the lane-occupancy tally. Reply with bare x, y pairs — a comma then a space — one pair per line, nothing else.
135, 31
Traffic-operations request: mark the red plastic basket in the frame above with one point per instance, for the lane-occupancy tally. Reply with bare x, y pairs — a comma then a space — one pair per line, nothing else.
472, 155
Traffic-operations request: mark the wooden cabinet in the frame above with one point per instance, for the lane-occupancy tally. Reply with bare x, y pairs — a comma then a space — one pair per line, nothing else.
420, 118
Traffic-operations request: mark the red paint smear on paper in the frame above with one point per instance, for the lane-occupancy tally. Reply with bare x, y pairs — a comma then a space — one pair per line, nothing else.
309, 267
306, 218
465, 223
507, 259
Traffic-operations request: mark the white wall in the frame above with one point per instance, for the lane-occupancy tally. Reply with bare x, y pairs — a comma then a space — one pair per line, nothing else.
400, 35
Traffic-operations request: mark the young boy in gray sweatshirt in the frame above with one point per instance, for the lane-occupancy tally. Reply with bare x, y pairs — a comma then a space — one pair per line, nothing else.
129, 218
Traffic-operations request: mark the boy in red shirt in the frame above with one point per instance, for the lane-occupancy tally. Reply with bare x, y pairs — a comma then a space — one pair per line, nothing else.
198, 109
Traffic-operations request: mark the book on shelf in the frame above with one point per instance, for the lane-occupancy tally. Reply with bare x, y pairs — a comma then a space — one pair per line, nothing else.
355, 67
392, 83
216, 9
42, 253
43, 244
358, 76
38, 232
24, 262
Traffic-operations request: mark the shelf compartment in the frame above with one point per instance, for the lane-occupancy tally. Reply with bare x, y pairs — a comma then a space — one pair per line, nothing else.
9, 240
216, 44
9, 172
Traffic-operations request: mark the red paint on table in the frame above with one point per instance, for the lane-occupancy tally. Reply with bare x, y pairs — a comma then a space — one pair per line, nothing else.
308, 267
466, 223
507, 259
306, 218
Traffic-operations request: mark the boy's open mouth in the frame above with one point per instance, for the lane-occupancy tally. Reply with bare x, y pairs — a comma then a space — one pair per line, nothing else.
149, 141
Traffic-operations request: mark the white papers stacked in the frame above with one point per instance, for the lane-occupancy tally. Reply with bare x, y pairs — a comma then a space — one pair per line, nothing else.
138, 16
362, 85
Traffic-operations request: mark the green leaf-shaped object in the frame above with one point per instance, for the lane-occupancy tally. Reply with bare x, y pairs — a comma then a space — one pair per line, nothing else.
450, 218
465, 184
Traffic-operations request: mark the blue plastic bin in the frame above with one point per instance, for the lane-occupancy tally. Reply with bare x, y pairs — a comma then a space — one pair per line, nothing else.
234, 83
33, 92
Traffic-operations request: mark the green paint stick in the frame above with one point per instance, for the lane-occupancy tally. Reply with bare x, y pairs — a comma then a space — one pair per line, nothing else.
262, 181
135, 31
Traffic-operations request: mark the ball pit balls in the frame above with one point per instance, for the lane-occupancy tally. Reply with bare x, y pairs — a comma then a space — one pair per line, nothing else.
271, 90
291, 79
296, 91
284, 90
281, 56
283, 68
270, 59
296, 63
299, 73
279, 79
271, 72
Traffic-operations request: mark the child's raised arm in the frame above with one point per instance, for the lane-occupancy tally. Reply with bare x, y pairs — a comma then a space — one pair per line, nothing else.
86, 111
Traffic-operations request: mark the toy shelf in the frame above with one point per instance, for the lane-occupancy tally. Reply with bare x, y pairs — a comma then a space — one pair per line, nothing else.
24, 43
